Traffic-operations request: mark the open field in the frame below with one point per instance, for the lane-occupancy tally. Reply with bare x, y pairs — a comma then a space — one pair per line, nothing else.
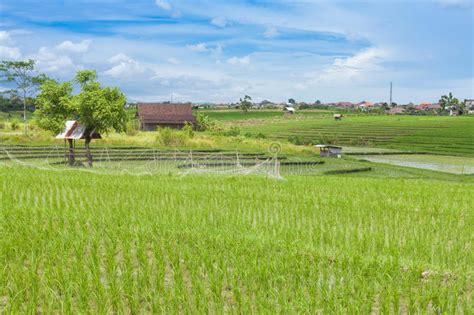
78, 242
444, 135
450, 164
233, 114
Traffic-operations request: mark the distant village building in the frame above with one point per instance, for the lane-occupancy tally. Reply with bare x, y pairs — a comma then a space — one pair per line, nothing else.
345, 104
365, 105
469, 106
428, 106
154, 115
329, 150
396, 110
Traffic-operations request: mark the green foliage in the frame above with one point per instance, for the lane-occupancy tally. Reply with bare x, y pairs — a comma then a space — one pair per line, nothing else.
170, 138
291, 101
98, 108
203, 122
15, 124
132, 127
234, 131
54, 105
101, 109
188, 130
448, 102
85, 76
245, 104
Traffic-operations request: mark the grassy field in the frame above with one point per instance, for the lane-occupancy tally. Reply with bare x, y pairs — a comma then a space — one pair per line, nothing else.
77, 242
445, 135
232, 114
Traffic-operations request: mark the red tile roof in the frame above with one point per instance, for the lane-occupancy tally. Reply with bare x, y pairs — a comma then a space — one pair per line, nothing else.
160, 113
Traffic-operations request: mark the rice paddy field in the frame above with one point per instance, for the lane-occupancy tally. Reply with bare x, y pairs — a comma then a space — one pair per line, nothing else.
76, 242
434, 134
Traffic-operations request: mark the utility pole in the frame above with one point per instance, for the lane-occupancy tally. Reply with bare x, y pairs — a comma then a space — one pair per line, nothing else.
390, 104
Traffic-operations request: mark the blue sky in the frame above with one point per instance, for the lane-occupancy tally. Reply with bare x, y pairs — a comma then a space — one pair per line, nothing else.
220, 50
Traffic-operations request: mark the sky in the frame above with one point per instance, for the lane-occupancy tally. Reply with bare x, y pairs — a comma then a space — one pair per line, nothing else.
219, 51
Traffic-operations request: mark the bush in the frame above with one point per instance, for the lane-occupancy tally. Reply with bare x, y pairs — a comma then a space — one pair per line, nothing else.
15, 124
132, 127
2, 125
260, 136
169, 137
188, 130
232, 132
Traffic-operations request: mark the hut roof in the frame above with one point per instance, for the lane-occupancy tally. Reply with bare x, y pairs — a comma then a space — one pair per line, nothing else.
165, 113
327, 146
75, 131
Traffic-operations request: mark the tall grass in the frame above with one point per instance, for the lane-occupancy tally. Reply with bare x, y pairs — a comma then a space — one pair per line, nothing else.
86, 243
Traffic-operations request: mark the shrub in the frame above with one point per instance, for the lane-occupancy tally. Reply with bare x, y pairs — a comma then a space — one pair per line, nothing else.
15, 124
188, 130
132, 127
295, 140
169, 137
260, 136
234, 131
2, 125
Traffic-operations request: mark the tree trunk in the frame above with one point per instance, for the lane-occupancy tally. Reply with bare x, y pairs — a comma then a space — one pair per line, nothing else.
88, 150
71, 157
24, 112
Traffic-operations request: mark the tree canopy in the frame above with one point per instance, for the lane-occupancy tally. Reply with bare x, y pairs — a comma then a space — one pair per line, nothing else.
245, 103
22, 74
98, 108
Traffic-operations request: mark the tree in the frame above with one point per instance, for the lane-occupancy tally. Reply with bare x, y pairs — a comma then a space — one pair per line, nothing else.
54, 107
318, 102
245, 103
97, 108
448, 102
292, 101
21, 74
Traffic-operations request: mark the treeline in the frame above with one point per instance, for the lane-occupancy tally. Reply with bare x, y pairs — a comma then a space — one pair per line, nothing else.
14, 103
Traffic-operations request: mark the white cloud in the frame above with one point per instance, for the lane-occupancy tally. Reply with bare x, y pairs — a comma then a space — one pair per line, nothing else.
174, 61
10, 52
201, 47
7, 48
80, 47
271, 32
236, 61
49, 61
460, 4
219, 21
124, 66
120, 58
165, 5
362, 63
5, 38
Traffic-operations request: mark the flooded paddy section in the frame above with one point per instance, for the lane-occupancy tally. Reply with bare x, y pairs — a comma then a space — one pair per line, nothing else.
441, 163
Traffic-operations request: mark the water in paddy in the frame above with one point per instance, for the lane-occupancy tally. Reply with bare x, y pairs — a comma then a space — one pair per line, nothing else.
449, 164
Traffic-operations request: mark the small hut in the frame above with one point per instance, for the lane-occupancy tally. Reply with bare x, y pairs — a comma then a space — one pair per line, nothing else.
329, 150
154, 115
73, 131
289, 110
